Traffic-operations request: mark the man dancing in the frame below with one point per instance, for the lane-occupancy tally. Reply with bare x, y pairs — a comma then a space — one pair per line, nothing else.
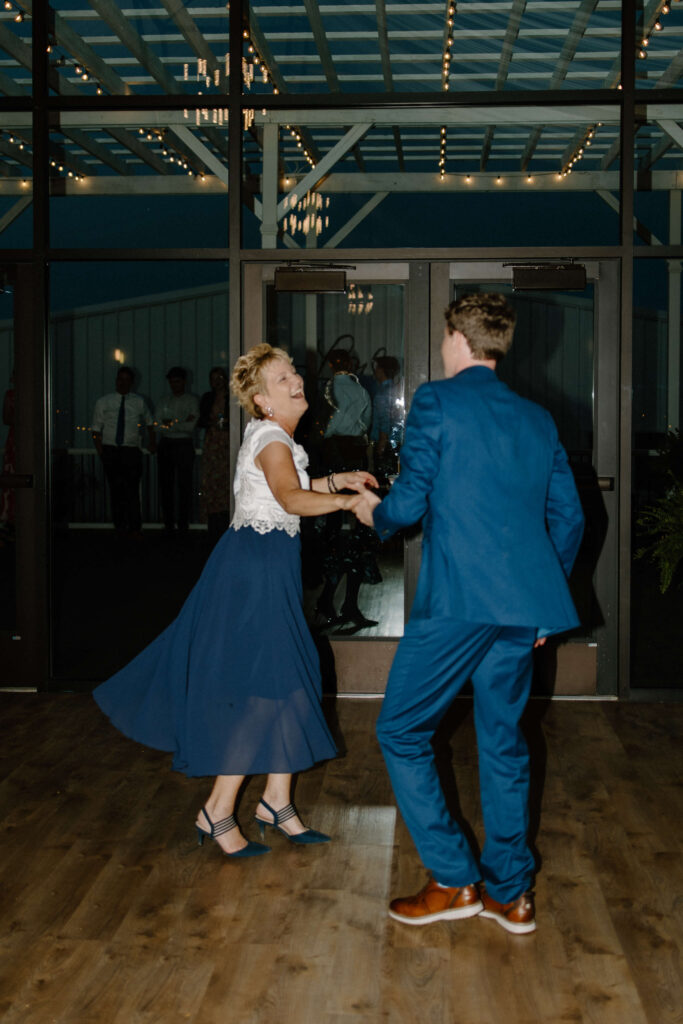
502, 526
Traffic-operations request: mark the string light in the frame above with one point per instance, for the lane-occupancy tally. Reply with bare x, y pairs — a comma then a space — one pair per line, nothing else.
579, 150
17, 14
296, 135
655, 26
171, 156
79, 69
445, 74
254, 63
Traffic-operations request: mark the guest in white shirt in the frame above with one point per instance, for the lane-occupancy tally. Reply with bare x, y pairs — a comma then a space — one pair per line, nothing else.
176, 414
116, 424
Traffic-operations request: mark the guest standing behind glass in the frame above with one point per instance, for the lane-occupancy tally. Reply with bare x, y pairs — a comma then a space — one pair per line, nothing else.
214, 490
345, 552
233, 687
388, 417
176, 415
116, 422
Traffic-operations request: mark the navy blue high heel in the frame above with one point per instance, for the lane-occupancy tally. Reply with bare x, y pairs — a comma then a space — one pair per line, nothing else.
219, 828
300, 838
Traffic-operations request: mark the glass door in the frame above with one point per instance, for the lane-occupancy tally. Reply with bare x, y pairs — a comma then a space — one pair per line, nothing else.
362, 355
565, 357
23, 562
350, 347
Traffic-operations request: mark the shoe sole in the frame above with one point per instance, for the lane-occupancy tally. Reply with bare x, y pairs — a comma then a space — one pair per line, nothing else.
514, 927
442, 915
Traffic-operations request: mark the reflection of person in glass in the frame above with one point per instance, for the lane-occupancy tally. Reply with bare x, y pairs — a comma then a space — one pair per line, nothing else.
388, 417
176, 413
350, 551
214, 494
7, 503
502, 522
232, 687
116, 423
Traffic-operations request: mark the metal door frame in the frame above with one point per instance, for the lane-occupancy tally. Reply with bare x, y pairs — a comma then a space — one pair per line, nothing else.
428, 292
364, 670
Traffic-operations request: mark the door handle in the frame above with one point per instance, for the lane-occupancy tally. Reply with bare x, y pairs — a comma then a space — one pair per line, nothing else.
606, 483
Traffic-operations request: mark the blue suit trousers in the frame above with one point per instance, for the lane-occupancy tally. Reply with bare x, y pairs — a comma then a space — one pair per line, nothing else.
434, 660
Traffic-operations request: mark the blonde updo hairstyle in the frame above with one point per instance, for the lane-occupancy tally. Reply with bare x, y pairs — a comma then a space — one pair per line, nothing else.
247, 376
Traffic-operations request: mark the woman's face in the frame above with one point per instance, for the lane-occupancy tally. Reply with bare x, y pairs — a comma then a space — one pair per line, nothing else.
283, 391
217, 381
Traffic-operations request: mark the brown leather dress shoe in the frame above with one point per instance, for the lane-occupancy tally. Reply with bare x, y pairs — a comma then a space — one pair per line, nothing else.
436, 903
518, 916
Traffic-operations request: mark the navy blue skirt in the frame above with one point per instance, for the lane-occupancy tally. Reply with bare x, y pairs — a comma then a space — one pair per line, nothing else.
232, 686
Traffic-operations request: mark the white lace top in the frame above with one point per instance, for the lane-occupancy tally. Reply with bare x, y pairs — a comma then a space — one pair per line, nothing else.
255, 504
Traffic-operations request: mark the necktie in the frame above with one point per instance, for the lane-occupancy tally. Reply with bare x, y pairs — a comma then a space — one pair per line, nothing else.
121, 421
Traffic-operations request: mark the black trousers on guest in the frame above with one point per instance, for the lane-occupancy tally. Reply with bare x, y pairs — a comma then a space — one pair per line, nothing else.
123, 470
176, 458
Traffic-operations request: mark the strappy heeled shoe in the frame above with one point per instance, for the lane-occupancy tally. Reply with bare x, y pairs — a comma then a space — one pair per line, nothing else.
310, 835
219, 828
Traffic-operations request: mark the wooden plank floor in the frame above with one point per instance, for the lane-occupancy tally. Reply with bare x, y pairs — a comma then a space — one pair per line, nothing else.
112, 915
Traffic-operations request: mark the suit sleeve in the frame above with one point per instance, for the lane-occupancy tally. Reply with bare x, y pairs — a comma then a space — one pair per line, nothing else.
563, 512
408, 499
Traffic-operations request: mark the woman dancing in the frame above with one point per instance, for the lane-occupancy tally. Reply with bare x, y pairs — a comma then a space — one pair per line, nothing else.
232, 687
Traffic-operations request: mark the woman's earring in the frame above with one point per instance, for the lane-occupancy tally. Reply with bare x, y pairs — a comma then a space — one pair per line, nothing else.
269, 412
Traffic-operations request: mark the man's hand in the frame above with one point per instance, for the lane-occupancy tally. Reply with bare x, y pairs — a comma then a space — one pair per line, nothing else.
541, 640
364, 505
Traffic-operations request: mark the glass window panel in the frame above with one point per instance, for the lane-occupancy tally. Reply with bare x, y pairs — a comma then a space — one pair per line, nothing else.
659, 38
391, 178
658, 163
353, 585
16, 181
16, 210
434, 47
118, 182
16, 59
8, 505
118, 582
657, 475
552, 362
139, 48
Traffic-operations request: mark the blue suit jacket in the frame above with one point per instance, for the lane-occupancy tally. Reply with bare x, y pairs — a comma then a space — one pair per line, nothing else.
502, 518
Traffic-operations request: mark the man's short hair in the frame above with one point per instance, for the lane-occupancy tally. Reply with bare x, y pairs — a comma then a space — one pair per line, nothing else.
340, 359
486, 320
127, 370
177, 371
389, 366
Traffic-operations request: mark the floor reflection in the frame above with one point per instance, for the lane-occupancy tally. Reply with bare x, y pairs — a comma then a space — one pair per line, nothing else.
112, 596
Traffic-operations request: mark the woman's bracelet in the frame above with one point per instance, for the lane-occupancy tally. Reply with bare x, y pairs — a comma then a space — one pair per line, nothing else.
330, 484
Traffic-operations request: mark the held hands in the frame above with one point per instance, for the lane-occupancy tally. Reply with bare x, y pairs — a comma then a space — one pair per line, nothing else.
363, 505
